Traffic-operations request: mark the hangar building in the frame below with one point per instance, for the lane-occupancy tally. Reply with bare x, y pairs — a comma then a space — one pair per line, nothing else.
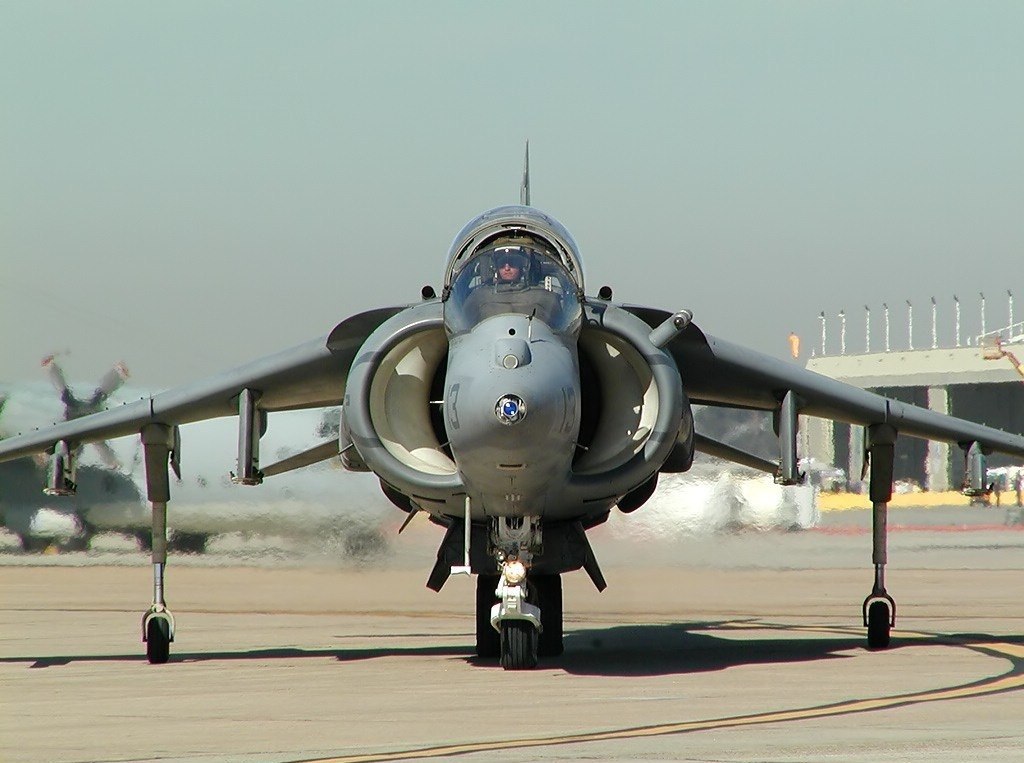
983, 383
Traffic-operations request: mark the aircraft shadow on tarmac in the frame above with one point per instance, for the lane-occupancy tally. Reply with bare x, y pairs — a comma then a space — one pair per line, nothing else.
650, 650
625, 650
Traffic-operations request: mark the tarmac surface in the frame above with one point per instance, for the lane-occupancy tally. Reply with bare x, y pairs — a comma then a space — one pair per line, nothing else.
725, 647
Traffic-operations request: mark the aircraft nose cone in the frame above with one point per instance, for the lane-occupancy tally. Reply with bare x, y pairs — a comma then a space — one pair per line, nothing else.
512, 427
510, 409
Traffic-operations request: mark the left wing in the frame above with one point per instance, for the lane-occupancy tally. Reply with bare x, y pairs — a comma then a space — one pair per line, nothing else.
312, 375
717, 372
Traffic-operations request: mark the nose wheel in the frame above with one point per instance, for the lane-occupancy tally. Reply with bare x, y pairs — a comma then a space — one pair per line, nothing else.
519, 641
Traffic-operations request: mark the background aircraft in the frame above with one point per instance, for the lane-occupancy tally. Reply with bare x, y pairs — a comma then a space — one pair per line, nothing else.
304, 507
39, 519
517, 411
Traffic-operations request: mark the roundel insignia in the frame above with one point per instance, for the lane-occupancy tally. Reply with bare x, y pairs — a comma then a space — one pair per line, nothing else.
510, 409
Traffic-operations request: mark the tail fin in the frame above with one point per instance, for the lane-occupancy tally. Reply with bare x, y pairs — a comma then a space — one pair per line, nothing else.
524, 189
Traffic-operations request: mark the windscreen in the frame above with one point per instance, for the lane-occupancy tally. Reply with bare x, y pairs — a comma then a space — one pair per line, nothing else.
512, 278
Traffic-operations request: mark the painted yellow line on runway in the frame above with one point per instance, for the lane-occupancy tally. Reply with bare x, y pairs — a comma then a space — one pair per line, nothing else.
1009, 681
922, 500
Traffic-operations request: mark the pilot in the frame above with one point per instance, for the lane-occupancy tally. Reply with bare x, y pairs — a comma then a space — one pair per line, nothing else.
509, 267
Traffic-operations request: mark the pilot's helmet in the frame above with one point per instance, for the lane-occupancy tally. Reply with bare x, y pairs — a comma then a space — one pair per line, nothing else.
510, 266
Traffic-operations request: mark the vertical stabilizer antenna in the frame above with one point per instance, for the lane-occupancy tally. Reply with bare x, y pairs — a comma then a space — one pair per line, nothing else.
524, 189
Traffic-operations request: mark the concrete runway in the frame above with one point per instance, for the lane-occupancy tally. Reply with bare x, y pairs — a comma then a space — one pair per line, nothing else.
741, 647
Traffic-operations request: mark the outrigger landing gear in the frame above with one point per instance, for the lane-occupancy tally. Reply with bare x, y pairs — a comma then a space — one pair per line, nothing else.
158, 443
879, 608
158, 622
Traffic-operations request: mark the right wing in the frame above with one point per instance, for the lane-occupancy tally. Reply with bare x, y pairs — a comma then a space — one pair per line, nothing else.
312, 375
717, 372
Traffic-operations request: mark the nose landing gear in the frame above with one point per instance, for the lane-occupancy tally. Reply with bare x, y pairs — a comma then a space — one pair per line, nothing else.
545, 592
518, 620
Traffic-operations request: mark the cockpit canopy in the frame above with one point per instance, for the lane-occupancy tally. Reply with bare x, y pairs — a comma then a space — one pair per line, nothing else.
512, 278
513, 260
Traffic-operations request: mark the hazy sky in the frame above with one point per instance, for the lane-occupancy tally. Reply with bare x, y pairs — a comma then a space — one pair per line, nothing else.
190, 185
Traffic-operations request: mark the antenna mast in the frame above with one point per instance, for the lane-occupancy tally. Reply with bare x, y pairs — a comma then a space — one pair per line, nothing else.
524, 189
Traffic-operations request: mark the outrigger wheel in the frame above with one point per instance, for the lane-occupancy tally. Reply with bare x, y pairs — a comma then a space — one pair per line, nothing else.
879, 624
158, 640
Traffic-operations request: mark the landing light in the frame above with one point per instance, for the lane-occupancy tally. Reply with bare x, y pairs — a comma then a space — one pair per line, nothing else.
514, 572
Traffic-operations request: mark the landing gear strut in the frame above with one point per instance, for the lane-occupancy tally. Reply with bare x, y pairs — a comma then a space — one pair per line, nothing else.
879, 609
158, 442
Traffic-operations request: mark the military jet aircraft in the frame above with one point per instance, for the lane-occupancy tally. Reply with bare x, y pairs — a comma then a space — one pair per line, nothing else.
517, 411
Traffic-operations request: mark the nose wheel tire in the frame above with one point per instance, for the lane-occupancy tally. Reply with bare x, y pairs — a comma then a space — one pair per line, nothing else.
158, 640
488, 640
518, 645
879, 620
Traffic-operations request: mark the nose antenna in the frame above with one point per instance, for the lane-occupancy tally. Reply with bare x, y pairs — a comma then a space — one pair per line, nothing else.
524, 189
